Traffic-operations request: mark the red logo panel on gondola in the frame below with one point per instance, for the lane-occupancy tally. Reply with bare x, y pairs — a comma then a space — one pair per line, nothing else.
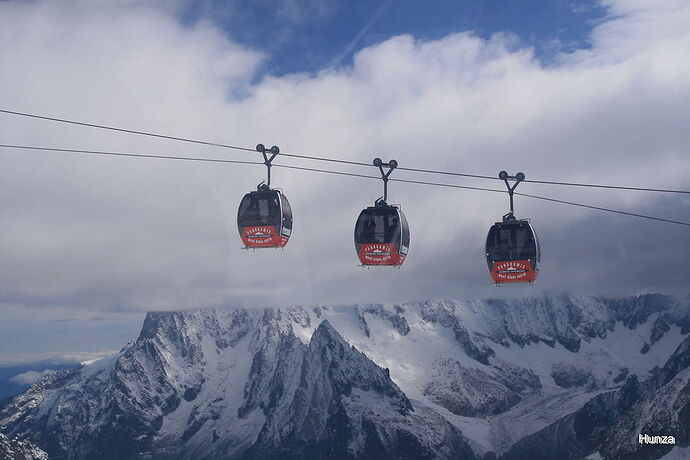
513, 271
264, 236
379, 254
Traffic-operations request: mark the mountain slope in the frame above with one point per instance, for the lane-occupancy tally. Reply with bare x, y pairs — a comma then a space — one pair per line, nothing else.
611, 422
425, 378
345, 406
16, 449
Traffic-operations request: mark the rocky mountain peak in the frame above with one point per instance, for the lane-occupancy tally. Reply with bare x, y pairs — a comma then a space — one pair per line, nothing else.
413, 380
343, 366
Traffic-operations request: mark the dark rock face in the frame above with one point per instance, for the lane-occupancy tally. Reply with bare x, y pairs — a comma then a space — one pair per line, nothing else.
633, 311
474, 392
17, 449
559, 320
107, 440
362, 322
443, 314
518, 379
347, 407
569, 320
611, 422
114, 409
622, 375
661, 326
568, 376
395, 317
268, 377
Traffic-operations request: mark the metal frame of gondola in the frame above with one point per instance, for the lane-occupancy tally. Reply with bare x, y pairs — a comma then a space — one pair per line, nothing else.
391, 165
274, 151
519, 177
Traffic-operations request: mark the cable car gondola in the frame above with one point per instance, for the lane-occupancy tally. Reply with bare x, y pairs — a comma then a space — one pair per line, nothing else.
382, 235
512, 246
264, 218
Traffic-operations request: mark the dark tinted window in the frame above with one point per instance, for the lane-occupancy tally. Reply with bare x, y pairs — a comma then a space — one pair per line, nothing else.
511, 242
287, 212
259, 209
406, 231
381, 225
527, 246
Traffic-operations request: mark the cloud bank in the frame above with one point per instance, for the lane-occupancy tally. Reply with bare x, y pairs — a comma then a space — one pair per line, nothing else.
124, 234
30, 377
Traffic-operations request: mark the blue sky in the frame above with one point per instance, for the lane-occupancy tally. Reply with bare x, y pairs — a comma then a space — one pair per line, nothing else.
308, 35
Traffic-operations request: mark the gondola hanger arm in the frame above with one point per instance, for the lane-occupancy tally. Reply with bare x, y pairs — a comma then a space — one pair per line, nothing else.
519, 177
391, 165
267, 161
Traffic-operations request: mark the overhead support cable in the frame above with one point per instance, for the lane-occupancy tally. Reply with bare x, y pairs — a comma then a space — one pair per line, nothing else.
126, 130
128, 154
599, 208
326, 159
483, 189
342, 173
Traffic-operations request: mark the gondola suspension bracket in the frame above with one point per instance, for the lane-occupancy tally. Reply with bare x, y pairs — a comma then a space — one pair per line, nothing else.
267, 161
391, 165
519, 177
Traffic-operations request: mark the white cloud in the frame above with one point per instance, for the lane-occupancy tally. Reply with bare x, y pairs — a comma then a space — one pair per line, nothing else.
107, 233
30, 377
49, 358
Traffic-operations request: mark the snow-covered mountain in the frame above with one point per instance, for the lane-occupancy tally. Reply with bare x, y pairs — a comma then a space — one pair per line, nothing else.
435, 379
16, 449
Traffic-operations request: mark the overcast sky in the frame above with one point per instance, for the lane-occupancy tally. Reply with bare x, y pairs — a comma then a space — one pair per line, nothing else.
596, 92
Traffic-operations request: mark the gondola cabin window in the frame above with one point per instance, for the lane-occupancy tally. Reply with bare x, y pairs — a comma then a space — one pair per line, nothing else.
259, 209
382, 227
511, 242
